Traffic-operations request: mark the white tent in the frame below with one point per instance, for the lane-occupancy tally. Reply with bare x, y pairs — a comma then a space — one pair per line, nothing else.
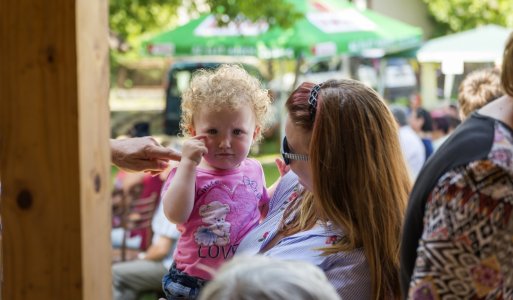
483, 44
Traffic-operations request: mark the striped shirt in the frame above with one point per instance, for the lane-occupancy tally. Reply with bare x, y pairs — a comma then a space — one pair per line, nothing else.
348, 272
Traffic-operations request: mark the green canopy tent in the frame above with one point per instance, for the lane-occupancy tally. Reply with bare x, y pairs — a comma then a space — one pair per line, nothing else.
328, 28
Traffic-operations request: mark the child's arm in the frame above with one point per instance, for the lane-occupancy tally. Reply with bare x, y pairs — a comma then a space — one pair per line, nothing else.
179, 197
283, 169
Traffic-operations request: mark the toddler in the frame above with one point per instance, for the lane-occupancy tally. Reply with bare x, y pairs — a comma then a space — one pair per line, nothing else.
216, 194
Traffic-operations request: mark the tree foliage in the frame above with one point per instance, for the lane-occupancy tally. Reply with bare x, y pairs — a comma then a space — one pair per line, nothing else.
275, 12
459, 15
129, 19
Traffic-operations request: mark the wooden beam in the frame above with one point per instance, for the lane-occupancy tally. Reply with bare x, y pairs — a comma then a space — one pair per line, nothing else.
54, 150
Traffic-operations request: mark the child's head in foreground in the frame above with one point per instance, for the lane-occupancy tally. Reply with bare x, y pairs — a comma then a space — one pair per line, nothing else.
229, 108
264, 278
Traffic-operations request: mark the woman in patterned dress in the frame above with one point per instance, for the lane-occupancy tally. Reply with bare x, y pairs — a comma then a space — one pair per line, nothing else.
458, 233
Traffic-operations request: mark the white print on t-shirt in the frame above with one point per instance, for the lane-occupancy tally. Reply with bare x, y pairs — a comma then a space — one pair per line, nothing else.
252, 185
218, 230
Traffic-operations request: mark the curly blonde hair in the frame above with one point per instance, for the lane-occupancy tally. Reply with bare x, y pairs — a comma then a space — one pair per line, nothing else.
228, 86
477, 89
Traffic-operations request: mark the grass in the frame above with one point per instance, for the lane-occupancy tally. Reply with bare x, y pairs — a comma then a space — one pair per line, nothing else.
271, 173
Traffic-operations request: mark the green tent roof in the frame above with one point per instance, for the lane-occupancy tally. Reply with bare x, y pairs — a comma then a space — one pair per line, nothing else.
329, 27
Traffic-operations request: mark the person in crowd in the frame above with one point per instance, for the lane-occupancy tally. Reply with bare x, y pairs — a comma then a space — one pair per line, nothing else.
340, 207
441, 130
421, 122
458, 232
131, 278
477, 89
454, 122
124, 184
265, 278
411, 144
216, 194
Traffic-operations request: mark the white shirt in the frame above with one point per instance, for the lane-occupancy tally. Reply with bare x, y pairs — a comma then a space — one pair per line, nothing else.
413, 150
162, 227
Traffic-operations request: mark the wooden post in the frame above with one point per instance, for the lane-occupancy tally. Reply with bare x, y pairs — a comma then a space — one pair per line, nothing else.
54, 150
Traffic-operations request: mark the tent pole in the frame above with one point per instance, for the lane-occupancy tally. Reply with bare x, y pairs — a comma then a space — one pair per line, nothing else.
448, 84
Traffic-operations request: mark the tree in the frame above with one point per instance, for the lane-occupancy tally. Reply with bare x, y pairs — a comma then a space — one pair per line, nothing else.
130, 19
275, 12
460, 15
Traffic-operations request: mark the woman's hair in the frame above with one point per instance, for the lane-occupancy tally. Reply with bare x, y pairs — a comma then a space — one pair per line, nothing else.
228, 86
360, 180
477, 89
264, 278
507, 67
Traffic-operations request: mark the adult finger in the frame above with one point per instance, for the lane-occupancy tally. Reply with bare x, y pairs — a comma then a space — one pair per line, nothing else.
163, 153
151, 165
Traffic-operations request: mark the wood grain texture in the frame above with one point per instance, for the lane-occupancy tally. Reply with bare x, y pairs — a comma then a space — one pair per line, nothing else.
54, 154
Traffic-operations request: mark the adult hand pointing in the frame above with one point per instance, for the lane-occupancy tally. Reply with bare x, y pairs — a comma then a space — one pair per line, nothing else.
141, 154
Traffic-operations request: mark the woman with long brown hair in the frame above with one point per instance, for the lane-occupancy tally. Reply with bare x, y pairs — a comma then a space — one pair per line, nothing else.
342, 205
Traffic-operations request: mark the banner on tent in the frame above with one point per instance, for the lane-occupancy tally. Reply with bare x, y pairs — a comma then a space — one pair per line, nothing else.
347, 20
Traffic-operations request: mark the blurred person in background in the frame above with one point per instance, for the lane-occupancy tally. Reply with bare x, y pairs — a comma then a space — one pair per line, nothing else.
440, 133
131, 278
421, 122
411, 144
477, 89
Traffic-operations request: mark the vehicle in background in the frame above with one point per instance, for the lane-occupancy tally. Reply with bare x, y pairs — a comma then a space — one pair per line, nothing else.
399, 77
400, 80
177, 80
315, 71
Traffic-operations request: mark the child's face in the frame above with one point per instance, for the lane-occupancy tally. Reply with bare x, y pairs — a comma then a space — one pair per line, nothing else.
229, 134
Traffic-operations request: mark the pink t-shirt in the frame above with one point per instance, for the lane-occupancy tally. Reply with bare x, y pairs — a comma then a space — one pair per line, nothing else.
226, 208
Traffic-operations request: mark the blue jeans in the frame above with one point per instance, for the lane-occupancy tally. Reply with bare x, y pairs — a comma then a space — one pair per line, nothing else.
178, 285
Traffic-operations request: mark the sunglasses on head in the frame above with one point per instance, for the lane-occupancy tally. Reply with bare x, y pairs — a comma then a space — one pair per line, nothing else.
287, 156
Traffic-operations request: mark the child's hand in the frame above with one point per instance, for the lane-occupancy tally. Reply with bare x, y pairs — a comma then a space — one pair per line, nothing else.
282, 167
194, 148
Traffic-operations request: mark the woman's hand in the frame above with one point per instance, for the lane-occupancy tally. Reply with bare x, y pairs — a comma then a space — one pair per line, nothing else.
141, 154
